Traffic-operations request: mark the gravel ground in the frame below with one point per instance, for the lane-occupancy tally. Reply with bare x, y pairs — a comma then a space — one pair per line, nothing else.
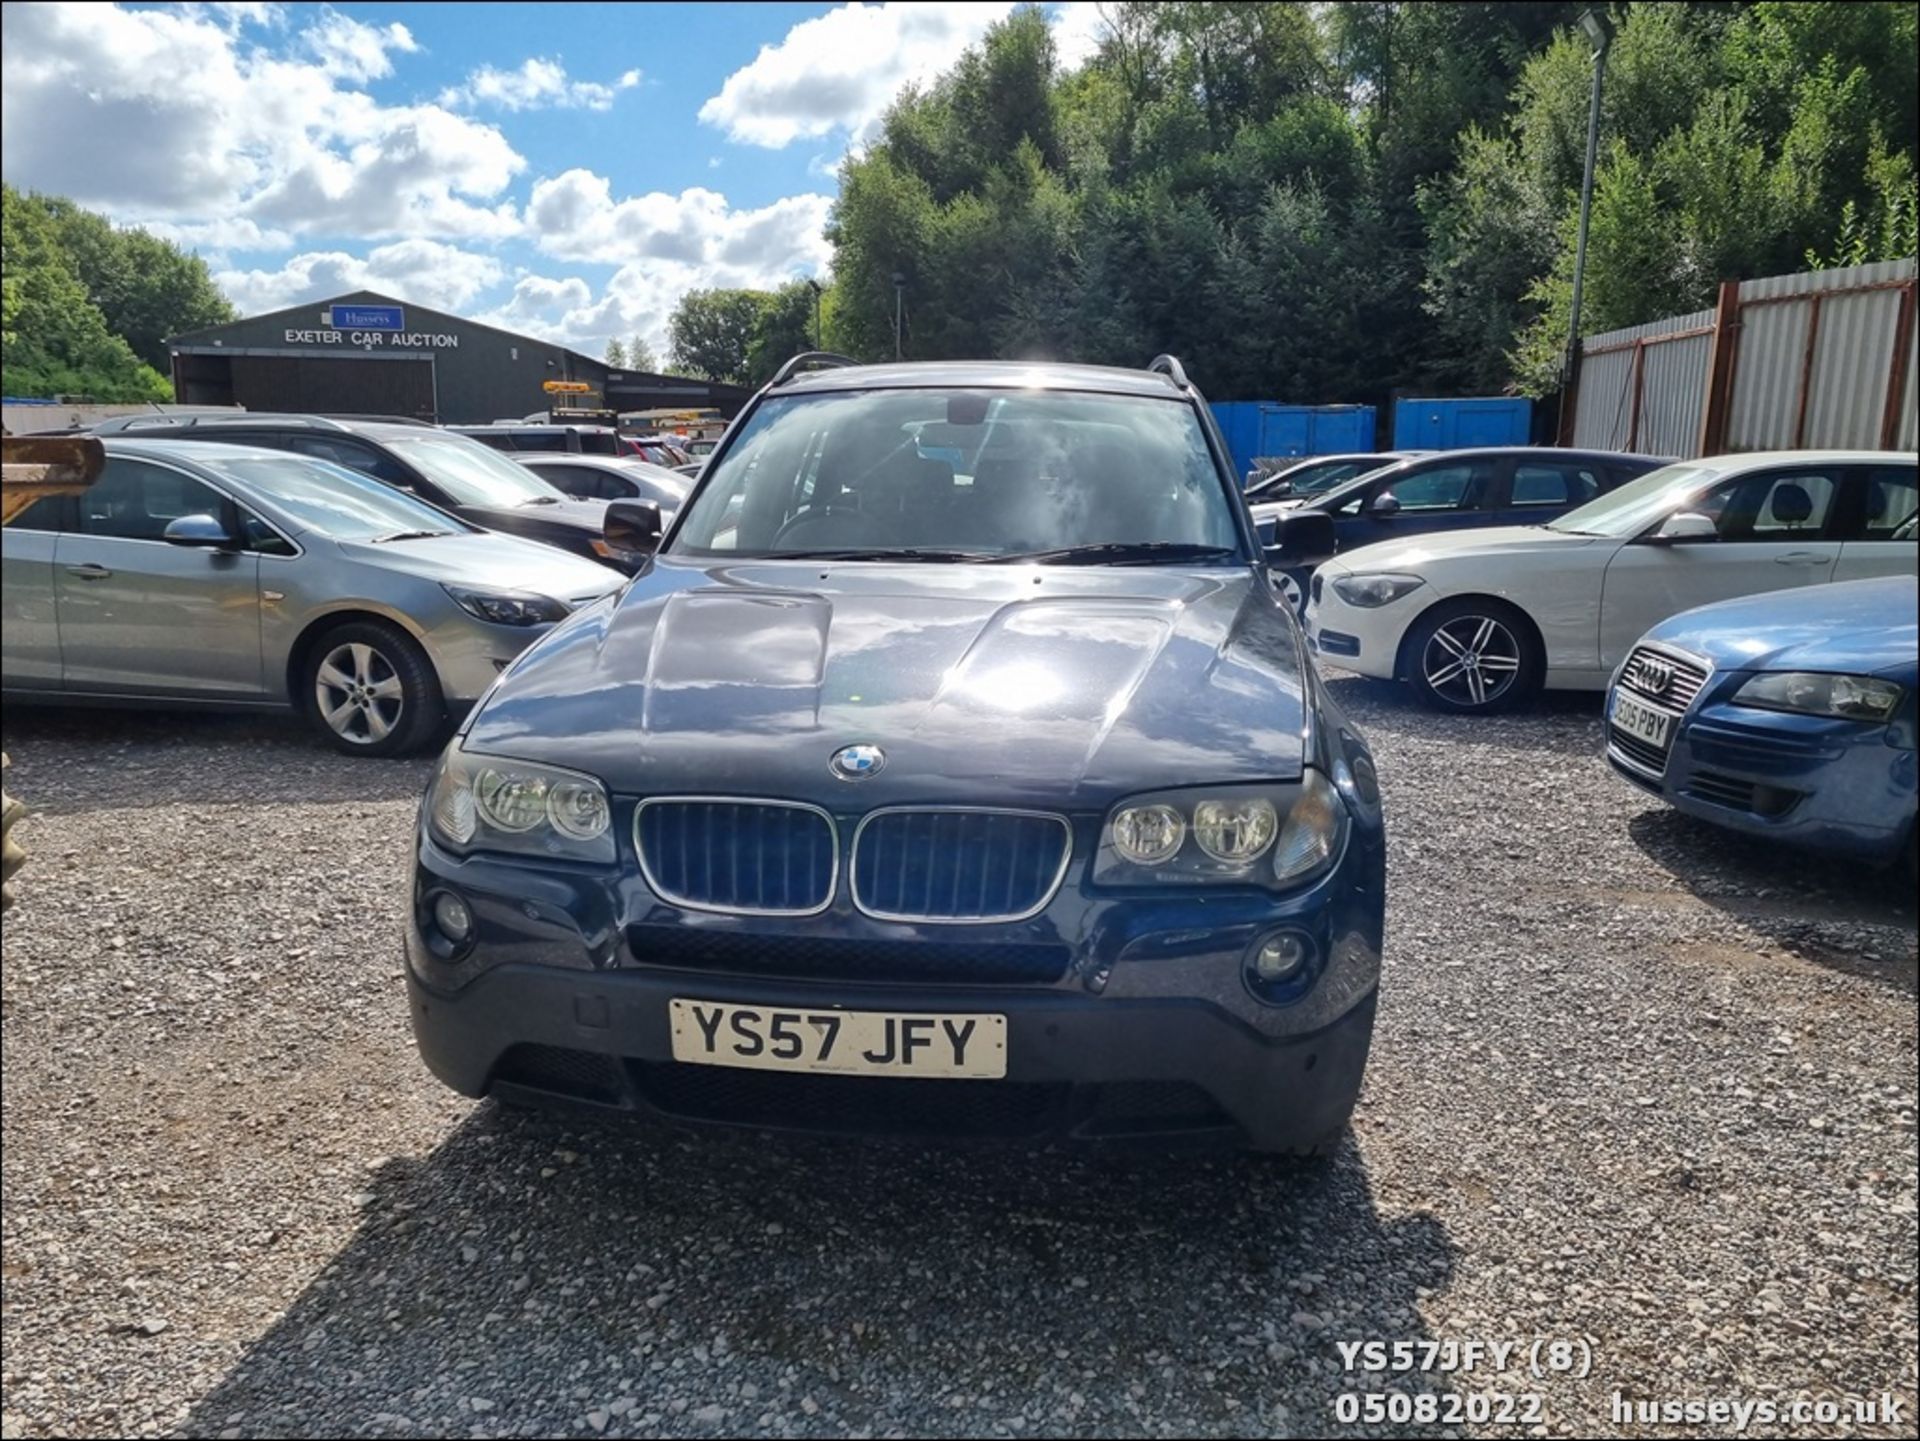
1634, 1082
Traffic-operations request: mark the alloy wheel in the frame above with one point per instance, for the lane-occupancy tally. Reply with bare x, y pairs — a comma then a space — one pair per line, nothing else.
1472, 660
359, 693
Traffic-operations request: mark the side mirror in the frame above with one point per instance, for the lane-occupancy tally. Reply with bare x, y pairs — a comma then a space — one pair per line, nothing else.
1305, 537
633, 526
1383, 505
1685, 525
204, 532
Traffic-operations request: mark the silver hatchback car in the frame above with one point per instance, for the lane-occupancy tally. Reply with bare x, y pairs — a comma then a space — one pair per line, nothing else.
236, 576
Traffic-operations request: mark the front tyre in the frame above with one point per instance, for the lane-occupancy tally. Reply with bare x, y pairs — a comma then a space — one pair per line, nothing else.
371, 690
1474, 657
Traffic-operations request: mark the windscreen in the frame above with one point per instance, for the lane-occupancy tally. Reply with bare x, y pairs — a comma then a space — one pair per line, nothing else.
1625, 512
317, 495
989, 473
472, 474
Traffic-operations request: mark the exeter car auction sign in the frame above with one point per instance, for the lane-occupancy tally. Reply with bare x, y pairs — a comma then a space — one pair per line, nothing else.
375, 339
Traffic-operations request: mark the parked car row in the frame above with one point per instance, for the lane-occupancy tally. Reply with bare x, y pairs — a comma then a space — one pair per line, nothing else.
962, 726
242, 576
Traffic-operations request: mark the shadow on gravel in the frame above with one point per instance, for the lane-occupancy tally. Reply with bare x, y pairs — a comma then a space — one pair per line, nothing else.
1813, 906
1390, 704
534, 1254
69, 760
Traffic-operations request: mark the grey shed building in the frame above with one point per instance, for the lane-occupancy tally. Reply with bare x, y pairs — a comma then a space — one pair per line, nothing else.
368, 354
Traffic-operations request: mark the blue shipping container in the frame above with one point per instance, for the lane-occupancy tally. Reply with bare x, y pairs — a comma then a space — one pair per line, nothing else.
1455, 423
1256, 429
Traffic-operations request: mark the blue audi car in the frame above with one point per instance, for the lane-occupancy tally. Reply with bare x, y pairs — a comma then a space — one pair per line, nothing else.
954, 766
1788, 715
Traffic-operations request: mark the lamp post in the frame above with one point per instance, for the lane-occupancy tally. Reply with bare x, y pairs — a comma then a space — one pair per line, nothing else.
814, 286
1599, 34
899, 301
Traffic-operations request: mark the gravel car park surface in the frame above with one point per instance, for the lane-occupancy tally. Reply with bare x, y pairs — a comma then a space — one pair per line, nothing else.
1635, 1082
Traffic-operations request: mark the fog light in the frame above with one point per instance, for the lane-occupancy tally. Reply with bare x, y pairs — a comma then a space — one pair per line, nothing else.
1280, 957
452, 916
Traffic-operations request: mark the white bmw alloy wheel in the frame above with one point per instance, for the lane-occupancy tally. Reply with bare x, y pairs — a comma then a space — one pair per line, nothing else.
1471, 660
359, 693
1290, 588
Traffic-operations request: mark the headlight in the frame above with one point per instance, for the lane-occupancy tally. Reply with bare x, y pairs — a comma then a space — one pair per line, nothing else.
1848, 697
490, 803
1370, 591
508, 607
1312, 835
1148, 835
1233, 829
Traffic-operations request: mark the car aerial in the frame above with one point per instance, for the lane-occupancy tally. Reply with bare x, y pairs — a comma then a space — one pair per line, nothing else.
1320, 473
1441, 491
1481, 619
991, 799
1788, 715
241, 577
459, 475
612, 477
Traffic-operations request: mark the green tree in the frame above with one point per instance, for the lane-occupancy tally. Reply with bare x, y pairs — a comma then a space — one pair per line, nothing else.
145, 288
640, 356
783, 329
57, 340
616, 355
712, 329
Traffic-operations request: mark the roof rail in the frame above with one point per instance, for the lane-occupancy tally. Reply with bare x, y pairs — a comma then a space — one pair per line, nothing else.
381, 419
819, 359
143, 421
1170, 366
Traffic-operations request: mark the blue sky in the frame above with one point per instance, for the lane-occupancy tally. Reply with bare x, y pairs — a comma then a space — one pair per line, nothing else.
564, 170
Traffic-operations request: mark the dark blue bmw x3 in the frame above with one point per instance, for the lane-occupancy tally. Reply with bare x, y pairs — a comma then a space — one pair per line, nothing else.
954, 767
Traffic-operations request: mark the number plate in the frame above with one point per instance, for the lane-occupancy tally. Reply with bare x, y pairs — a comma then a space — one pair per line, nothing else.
1641, 721
839, 1043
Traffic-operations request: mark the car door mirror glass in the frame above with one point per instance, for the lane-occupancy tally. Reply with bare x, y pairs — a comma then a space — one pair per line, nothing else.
1305, 537
1686, 525
203, 531
632, 526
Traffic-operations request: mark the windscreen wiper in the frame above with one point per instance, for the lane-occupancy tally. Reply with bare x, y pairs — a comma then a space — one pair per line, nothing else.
541, 500
1128, 552
411, 535
905, 553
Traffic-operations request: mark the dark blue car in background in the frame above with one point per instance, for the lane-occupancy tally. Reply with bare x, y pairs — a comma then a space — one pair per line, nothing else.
978, 785
1441, 491
1788, 715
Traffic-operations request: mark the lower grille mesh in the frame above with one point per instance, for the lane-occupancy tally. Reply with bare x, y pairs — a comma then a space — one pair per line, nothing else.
827, 958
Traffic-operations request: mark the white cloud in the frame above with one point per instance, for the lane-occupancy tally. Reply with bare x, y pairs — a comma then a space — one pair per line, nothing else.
1078, 29
573, 216
840, 71
219, 236
538, 84
424, 271
165, 115
353, 49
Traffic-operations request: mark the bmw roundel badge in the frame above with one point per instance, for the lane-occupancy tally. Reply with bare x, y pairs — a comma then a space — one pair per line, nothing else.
857, 763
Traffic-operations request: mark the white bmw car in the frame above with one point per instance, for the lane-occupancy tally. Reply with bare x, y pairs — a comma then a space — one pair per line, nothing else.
1479, 620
